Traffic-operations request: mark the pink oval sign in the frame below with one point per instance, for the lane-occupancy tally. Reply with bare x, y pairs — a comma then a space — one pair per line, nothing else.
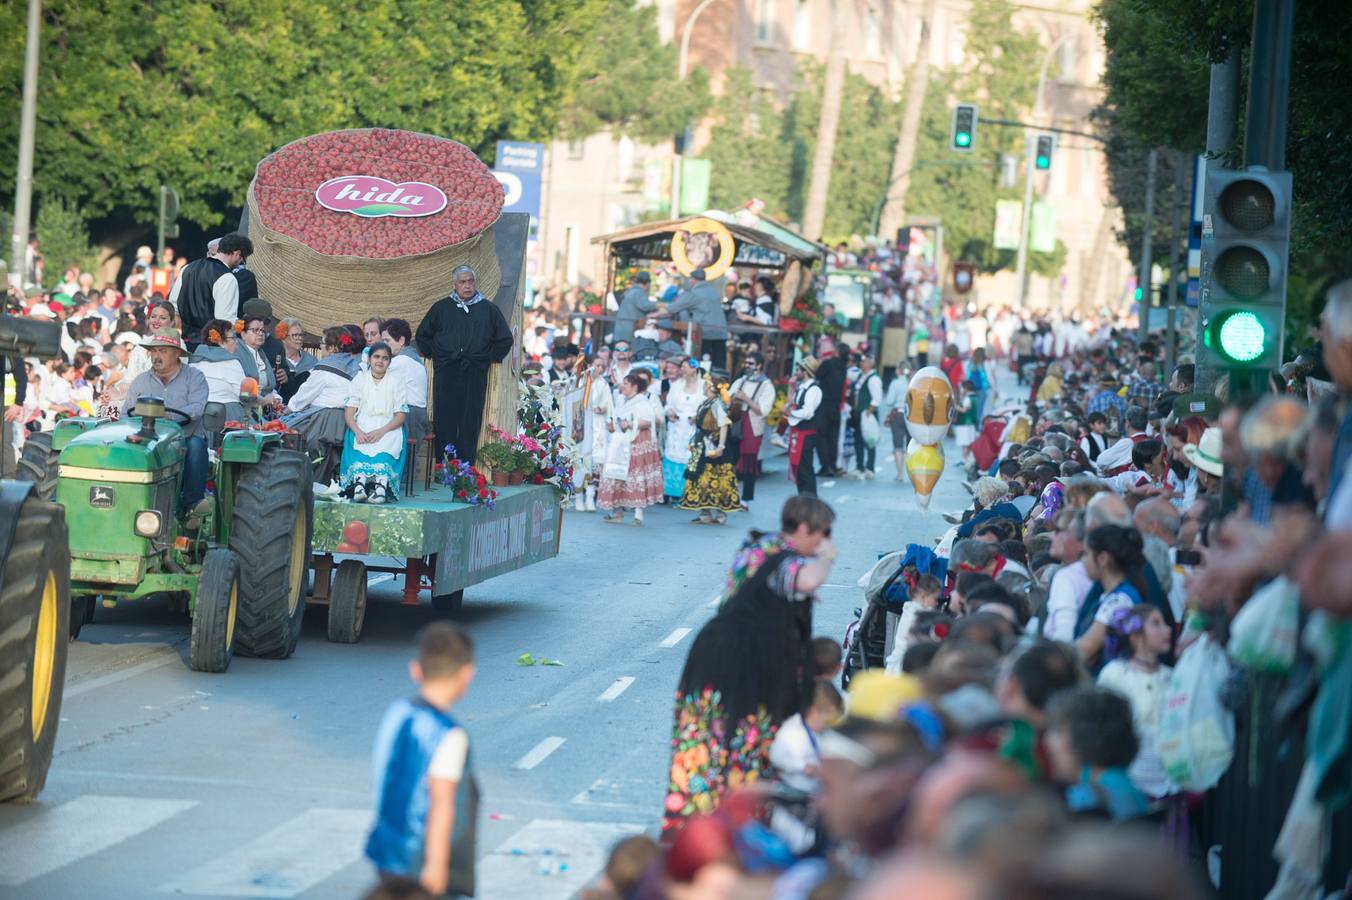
371, 197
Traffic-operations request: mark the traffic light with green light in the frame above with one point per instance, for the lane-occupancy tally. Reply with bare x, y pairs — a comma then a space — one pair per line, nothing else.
1246, 230
1042, 157
964, 127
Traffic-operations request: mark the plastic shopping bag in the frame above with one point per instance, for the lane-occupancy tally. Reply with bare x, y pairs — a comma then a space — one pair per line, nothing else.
1264, 634
868, 428
1197, 733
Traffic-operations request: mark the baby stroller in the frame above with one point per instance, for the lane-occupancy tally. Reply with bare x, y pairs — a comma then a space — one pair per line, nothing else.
887, 587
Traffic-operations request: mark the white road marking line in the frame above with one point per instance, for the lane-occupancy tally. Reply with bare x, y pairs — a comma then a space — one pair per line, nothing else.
379, 579
674, 638
538, 754
513, 871
161, 657
619, 687
287, 861
717, 599
844, 498
68, 833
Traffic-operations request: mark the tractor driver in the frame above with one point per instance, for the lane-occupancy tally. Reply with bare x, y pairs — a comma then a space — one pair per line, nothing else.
184, 390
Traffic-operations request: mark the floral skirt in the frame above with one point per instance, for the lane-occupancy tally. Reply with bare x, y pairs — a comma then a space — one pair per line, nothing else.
673, 478
714, 488
710, 757
642, 488
369, 467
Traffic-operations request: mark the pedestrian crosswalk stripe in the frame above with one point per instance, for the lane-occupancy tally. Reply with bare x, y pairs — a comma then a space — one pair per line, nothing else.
548, 858
674, 638
55, 838
619, 687
287, 861
539, 752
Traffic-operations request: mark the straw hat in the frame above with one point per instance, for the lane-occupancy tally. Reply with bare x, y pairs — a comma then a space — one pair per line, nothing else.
809, 365
165, 337
1206, 453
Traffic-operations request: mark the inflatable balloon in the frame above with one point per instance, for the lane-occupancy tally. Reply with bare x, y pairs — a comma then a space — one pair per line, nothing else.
924, 464
929, 405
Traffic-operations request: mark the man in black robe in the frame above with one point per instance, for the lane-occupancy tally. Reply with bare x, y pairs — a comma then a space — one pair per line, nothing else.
463, 335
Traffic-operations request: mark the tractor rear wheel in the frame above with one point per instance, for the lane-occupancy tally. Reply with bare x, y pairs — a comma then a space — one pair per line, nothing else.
38, 464
34, 619
215, 612
271, 533
347, 602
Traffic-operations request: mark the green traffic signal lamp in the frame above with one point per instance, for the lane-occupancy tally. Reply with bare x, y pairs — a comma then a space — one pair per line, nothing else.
1239, 336
963, 139
1042, 158
964, 126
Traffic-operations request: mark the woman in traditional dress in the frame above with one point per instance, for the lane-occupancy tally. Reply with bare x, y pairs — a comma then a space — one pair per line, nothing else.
591, 413
215, 357
373, 451
683, 401
711, 474
750, 668
632, 476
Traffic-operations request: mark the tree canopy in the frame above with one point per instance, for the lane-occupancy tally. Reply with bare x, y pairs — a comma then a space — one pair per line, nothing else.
194, 93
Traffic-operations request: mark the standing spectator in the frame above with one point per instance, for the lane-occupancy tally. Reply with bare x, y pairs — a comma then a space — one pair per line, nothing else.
1146, 388
33, 264
1107, 399
894, 416
952, 367
145, 261
830, 375
804, 416
426, 796
248, 283
754, 394
868, 394
463, 335
634, 305
207, 288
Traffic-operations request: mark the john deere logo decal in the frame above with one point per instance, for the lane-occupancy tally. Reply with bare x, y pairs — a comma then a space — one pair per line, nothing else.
102, 497
370, 196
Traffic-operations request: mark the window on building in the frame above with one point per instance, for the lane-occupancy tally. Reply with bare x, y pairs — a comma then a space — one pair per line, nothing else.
1067, 56
873, 44
765, 21
802, 25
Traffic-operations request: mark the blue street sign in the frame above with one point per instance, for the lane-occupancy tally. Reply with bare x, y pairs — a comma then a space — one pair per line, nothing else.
520, 167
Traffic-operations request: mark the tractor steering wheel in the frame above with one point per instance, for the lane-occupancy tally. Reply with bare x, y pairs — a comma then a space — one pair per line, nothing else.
186, 419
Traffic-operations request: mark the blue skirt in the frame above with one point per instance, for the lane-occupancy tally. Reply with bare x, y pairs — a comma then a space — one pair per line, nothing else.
673, 478
358, 465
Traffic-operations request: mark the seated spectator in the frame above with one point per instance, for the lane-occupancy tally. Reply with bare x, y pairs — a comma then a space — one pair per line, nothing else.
1140, 639
296, 360
373, 451
796, 761
249, 351
184, 391
316, 409
1113, 557
217, 358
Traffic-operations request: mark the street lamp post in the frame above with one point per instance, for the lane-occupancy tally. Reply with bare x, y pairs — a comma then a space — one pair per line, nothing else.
681, 71
1028, 169
23, 188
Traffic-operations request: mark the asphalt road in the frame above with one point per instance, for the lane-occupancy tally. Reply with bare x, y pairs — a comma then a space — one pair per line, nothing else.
256, 783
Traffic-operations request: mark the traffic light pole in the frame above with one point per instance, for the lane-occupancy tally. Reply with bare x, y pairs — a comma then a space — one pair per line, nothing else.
1144, 281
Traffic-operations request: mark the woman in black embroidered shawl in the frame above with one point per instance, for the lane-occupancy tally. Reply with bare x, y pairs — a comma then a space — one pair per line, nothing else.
750, 667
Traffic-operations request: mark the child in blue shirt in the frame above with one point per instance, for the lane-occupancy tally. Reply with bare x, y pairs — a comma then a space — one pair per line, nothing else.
426, 796
1091, 739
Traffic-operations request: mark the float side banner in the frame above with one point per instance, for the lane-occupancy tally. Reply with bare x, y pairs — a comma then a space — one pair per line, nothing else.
522, 528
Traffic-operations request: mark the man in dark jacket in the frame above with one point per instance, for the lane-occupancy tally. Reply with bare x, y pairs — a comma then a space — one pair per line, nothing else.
207, 289
463, 335
705, 306
634, 305
248, 283
831, 377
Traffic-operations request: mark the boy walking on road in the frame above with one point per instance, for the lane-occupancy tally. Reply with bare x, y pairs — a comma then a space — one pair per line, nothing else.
426, 796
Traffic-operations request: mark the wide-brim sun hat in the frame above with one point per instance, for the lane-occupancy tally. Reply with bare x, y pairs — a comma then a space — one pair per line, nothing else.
809, 364
1206, 453
165, 337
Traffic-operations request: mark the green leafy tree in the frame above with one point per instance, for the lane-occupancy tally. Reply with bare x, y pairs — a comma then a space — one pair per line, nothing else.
193, 93
1000, 75
747, 148
63, 236
627, 80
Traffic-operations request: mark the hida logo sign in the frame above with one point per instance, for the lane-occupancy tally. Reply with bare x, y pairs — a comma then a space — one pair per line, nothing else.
371, 196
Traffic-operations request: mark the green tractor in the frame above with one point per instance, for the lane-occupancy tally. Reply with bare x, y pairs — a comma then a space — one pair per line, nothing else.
238, 561
34, 606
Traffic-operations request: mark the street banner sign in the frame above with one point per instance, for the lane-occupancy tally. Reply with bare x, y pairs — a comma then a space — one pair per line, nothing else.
1008, 218
520, 167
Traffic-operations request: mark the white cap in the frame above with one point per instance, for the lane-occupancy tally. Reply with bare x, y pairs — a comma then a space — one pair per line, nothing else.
127, 337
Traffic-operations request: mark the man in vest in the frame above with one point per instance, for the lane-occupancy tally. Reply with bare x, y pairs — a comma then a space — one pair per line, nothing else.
207, 288
805, 417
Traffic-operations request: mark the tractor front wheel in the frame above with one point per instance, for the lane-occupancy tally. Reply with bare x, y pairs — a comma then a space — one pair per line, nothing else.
347, 602
271, 533
38, 464
34, 621
215, 612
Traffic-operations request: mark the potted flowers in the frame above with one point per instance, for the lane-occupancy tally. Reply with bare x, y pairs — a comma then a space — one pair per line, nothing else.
499, 458
469, 484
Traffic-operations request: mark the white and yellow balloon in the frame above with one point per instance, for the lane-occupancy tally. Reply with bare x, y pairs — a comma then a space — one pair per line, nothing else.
929, 413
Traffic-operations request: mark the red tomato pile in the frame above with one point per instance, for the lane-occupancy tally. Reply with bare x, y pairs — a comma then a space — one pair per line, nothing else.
286, 181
